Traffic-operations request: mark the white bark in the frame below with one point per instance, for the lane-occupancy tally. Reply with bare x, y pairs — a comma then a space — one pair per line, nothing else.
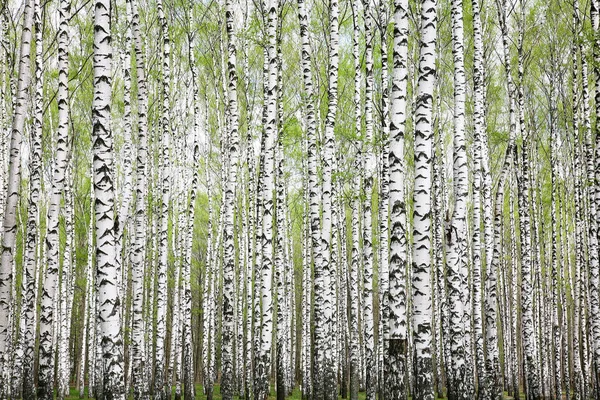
9, 225
66, 291
138, 253
227, 382
261, 387
48, 316
397, 317
31, 273
459, 384
107, 260
160, 390
368, 170
421, 269
88, 317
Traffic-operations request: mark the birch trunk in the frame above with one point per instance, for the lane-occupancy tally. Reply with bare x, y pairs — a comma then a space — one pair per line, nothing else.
30, 288
261, 387
227, 381
368, 171
595, 271
47, 313
107, 261
138, 253
88, 320
14, 179
397, 318
459, 385
66, 291
325, 385
160, 390
421, 267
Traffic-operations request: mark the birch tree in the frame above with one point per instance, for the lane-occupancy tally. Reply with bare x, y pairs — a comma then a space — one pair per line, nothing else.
108, 268
229, 204
12, 193
421, 263
28, 328
398, 345
51, 279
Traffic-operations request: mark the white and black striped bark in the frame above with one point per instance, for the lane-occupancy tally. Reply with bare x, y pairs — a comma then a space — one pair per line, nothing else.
160, 391
489, 386
312, 189
188, 356
395, 364
227, 380
66, 291
208, 298
459, 387
138, 252
524, 186
481, 205
263, 351
88, 318
306, 348
30, 274
421, 263
595, 272
107, 260
325, 385
280, 266
554, 252
127, 185
384, 197
354, 352
47, 312
9, 226
369, 171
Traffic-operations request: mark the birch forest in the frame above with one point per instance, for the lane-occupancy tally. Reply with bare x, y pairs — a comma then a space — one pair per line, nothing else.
300, 199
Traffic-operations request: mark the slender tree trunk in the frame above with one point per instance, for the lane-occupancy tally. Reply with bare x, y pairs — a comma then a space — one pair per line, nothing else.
384, 196
12, 199
398, 346
108, 268
160, 390
48, 316
65, 293
138, 253
369, 171
263, 359
188, 356
227, 381
421, 267
280, 272
595, 270
30, 289
88, 320
325, 385
489, 386
523, 185
460, 384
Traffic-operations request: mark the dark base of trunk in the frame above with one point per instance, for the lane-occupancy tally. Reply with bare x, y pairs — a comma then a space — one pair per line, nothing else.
280, 385
354, 382
423, 379
344, 383
396, 369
